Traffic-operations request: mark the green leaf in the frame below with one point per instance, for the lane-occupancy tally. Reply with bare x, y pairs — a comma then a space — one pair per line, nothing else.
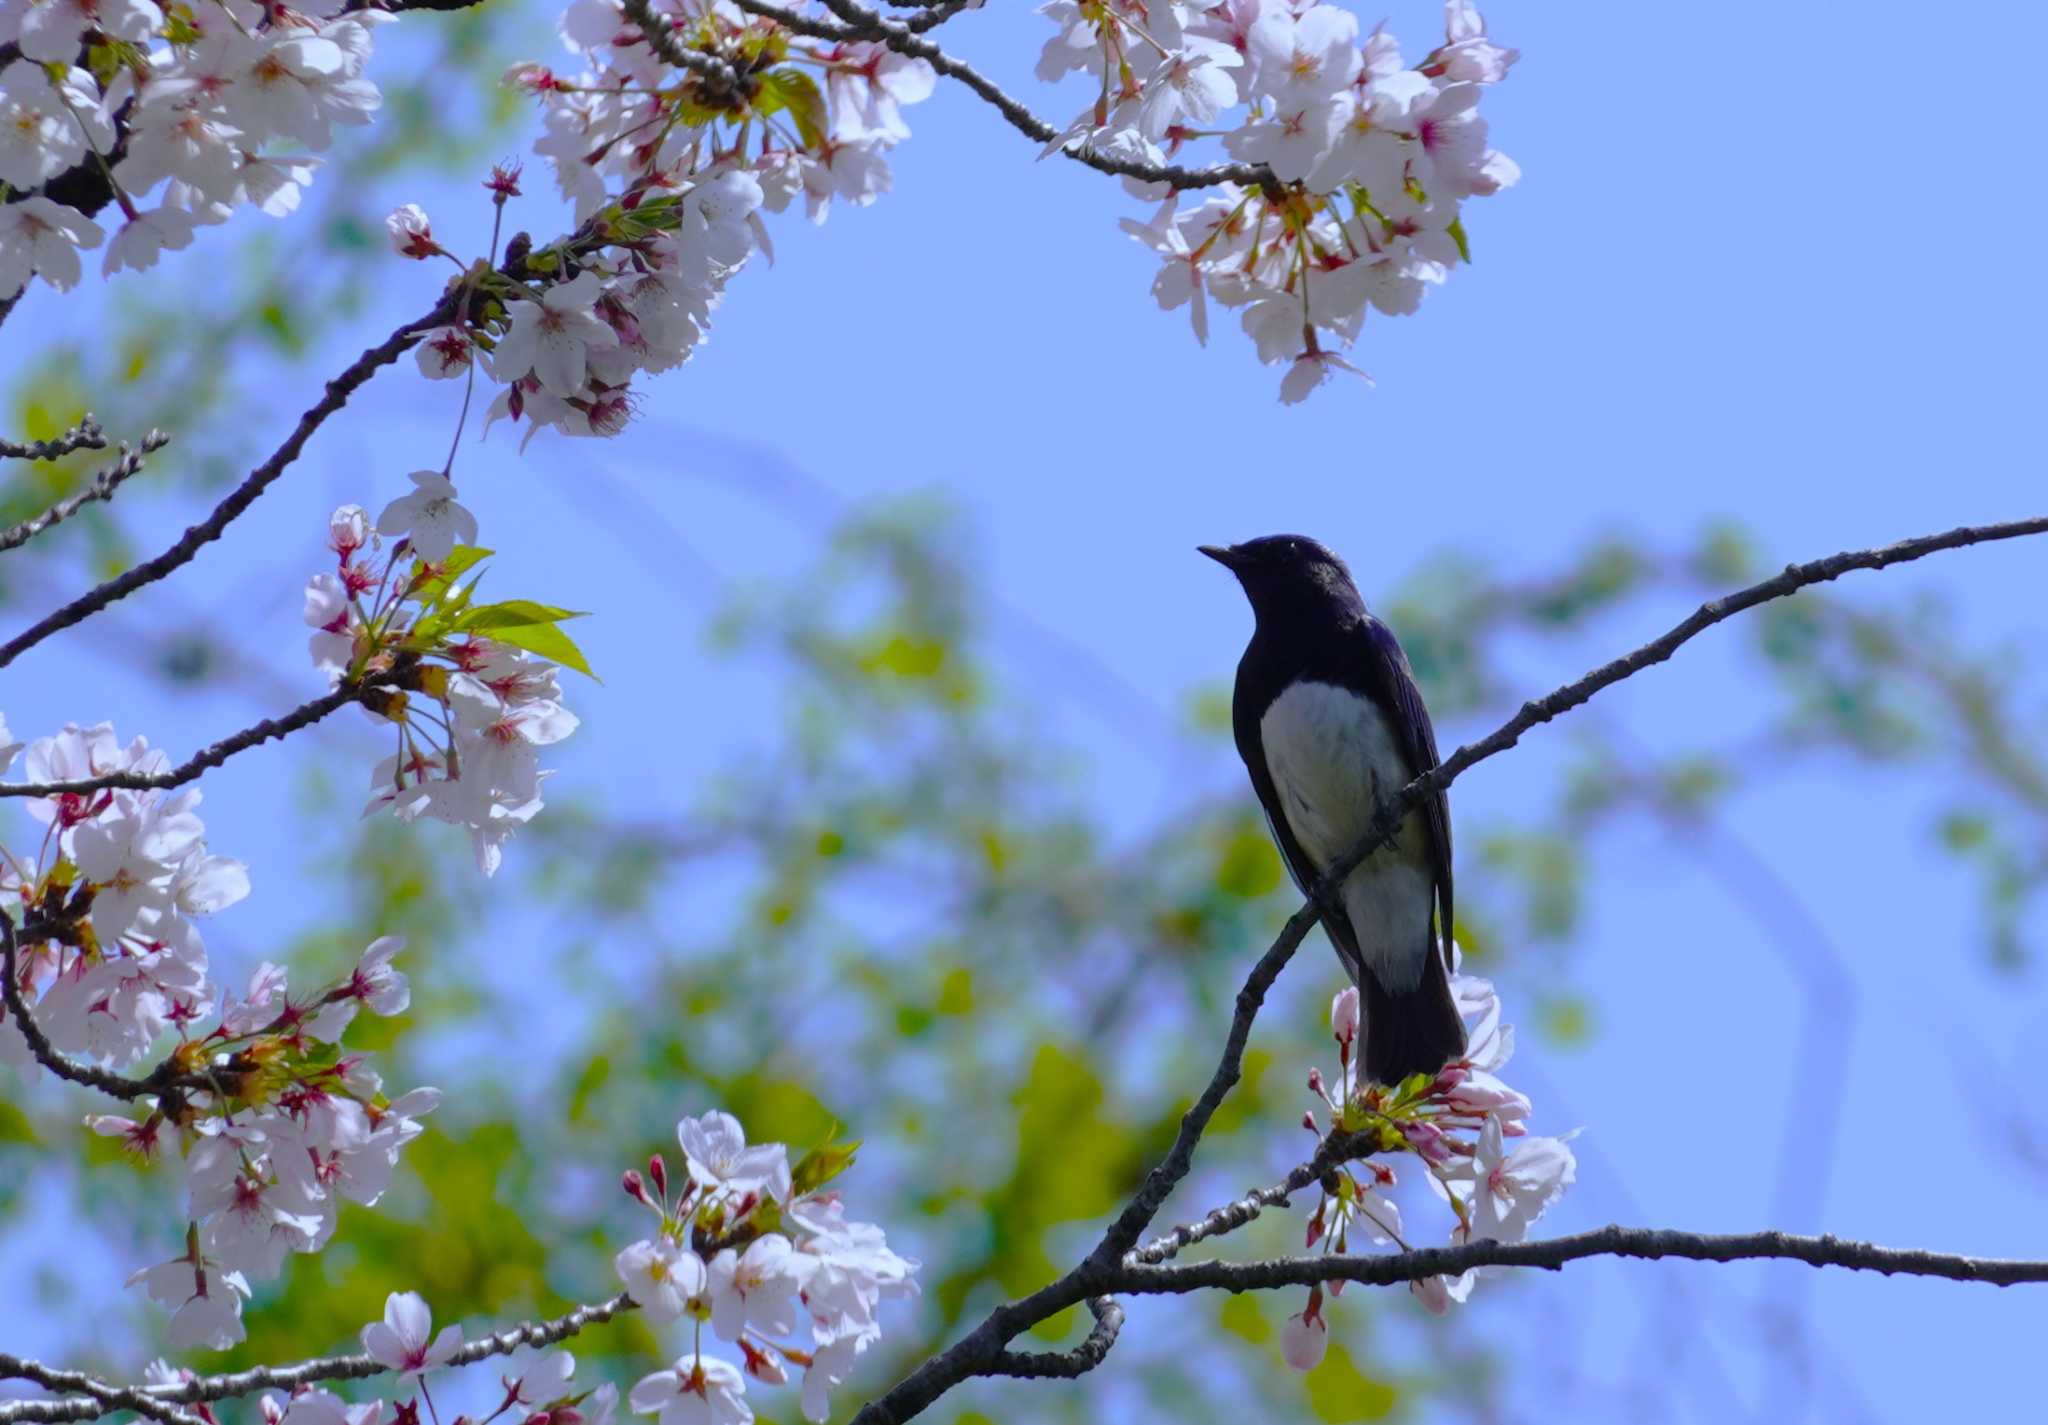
821, 1165
1457, 234
512, 613
546, 640
797, 92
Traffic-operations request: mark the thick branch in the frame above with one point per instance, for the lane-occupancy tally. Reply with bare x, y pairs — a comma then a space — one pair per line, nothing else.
101, 487
303, 716
356, 1367
86, 435
862, 23
109, 1397
663, 40
1645, 1243
983, 1347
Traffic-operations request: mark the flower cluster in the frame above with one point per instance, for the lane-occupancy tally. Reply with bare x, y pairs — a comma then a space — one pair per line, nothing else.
274, 1123
749, 1243
471, 687
217, 105
1458, 1124
1370, 158
671, 165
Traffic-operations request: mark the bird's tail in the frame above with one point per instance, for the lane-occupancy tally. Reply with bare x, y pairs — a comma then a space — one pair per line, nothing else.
1415, 1031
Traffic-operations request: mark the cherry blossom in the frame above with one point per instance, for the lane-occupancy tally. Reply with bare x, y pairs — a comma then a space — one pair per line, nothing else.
716, 1151
430, 516
404, 1339
697, 1390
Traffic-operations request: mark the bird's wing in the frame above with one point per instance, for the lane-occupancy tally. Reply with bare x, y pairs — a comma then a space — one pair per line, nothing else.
1303, 870
1393, 684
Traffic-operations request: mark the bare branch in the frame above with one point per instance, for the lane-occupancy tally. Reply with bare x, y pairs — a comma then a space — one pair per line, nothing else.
861, 23
86, 435
1645, 1243
978, 1352
102, 486
1066, 1365
353, 1367
111, 1397
240, 498
303, 716
1336, 1148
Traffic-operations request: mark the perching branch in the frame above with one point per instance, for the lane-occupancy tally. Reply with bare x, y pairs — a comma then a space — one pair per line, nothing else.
1106, 1270
205, 760
355, 1367
1644, 1243
86, 435
861, 23
101, 486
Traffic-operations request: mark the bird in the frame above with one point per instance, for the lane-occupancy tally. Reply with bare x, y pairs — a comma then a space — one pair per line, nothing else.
1330, 723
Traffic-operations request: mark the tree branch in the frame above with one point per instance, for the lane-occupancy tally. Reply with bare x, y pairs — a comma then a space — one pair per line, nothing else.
110, 1397
978, 1352
862, 23
165, 1079
1066, 1365
661, 37
86, 435
303, 716
354, 1367
102, 486
1644, 1243
240, 498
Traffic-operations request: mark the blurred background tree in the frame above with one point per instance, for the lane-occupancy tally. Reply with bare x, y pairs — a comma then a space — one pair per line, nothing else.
953, 877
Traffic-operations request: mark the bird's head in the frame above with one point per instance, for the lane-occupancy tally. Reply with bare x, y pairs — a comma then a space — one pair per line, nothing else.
1280, 572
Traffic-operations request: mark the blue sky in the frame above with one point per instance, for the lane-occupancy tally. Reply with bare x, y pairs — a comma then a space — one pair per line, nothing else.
1767, 262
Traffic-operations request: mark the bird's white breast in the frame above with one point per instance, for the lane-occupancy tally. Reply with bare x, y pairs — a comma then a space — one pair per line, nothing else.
1332, 755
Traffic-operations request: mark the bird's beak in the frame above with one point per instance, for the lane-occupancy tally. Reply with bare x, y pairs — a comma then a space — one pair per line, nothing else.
1222, 553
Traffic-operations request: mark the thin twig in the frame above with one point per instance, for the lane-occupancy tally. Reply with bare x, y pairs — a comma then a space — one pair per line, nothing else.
353, 1367
239, 499
100, 487
303, 716
86, 435
977, 1352
862, 23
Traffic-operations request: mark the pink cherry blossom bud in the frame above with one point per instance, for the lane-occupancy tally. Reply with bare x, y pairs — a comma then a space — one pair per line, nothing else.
1428, 1141
1449, 1079
1305, 1337
1308, 1121
634, 1188
1315, 1082
1434, 1294
658, 1170
411, 234
1315, 1227
348, 529
1344, 1019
